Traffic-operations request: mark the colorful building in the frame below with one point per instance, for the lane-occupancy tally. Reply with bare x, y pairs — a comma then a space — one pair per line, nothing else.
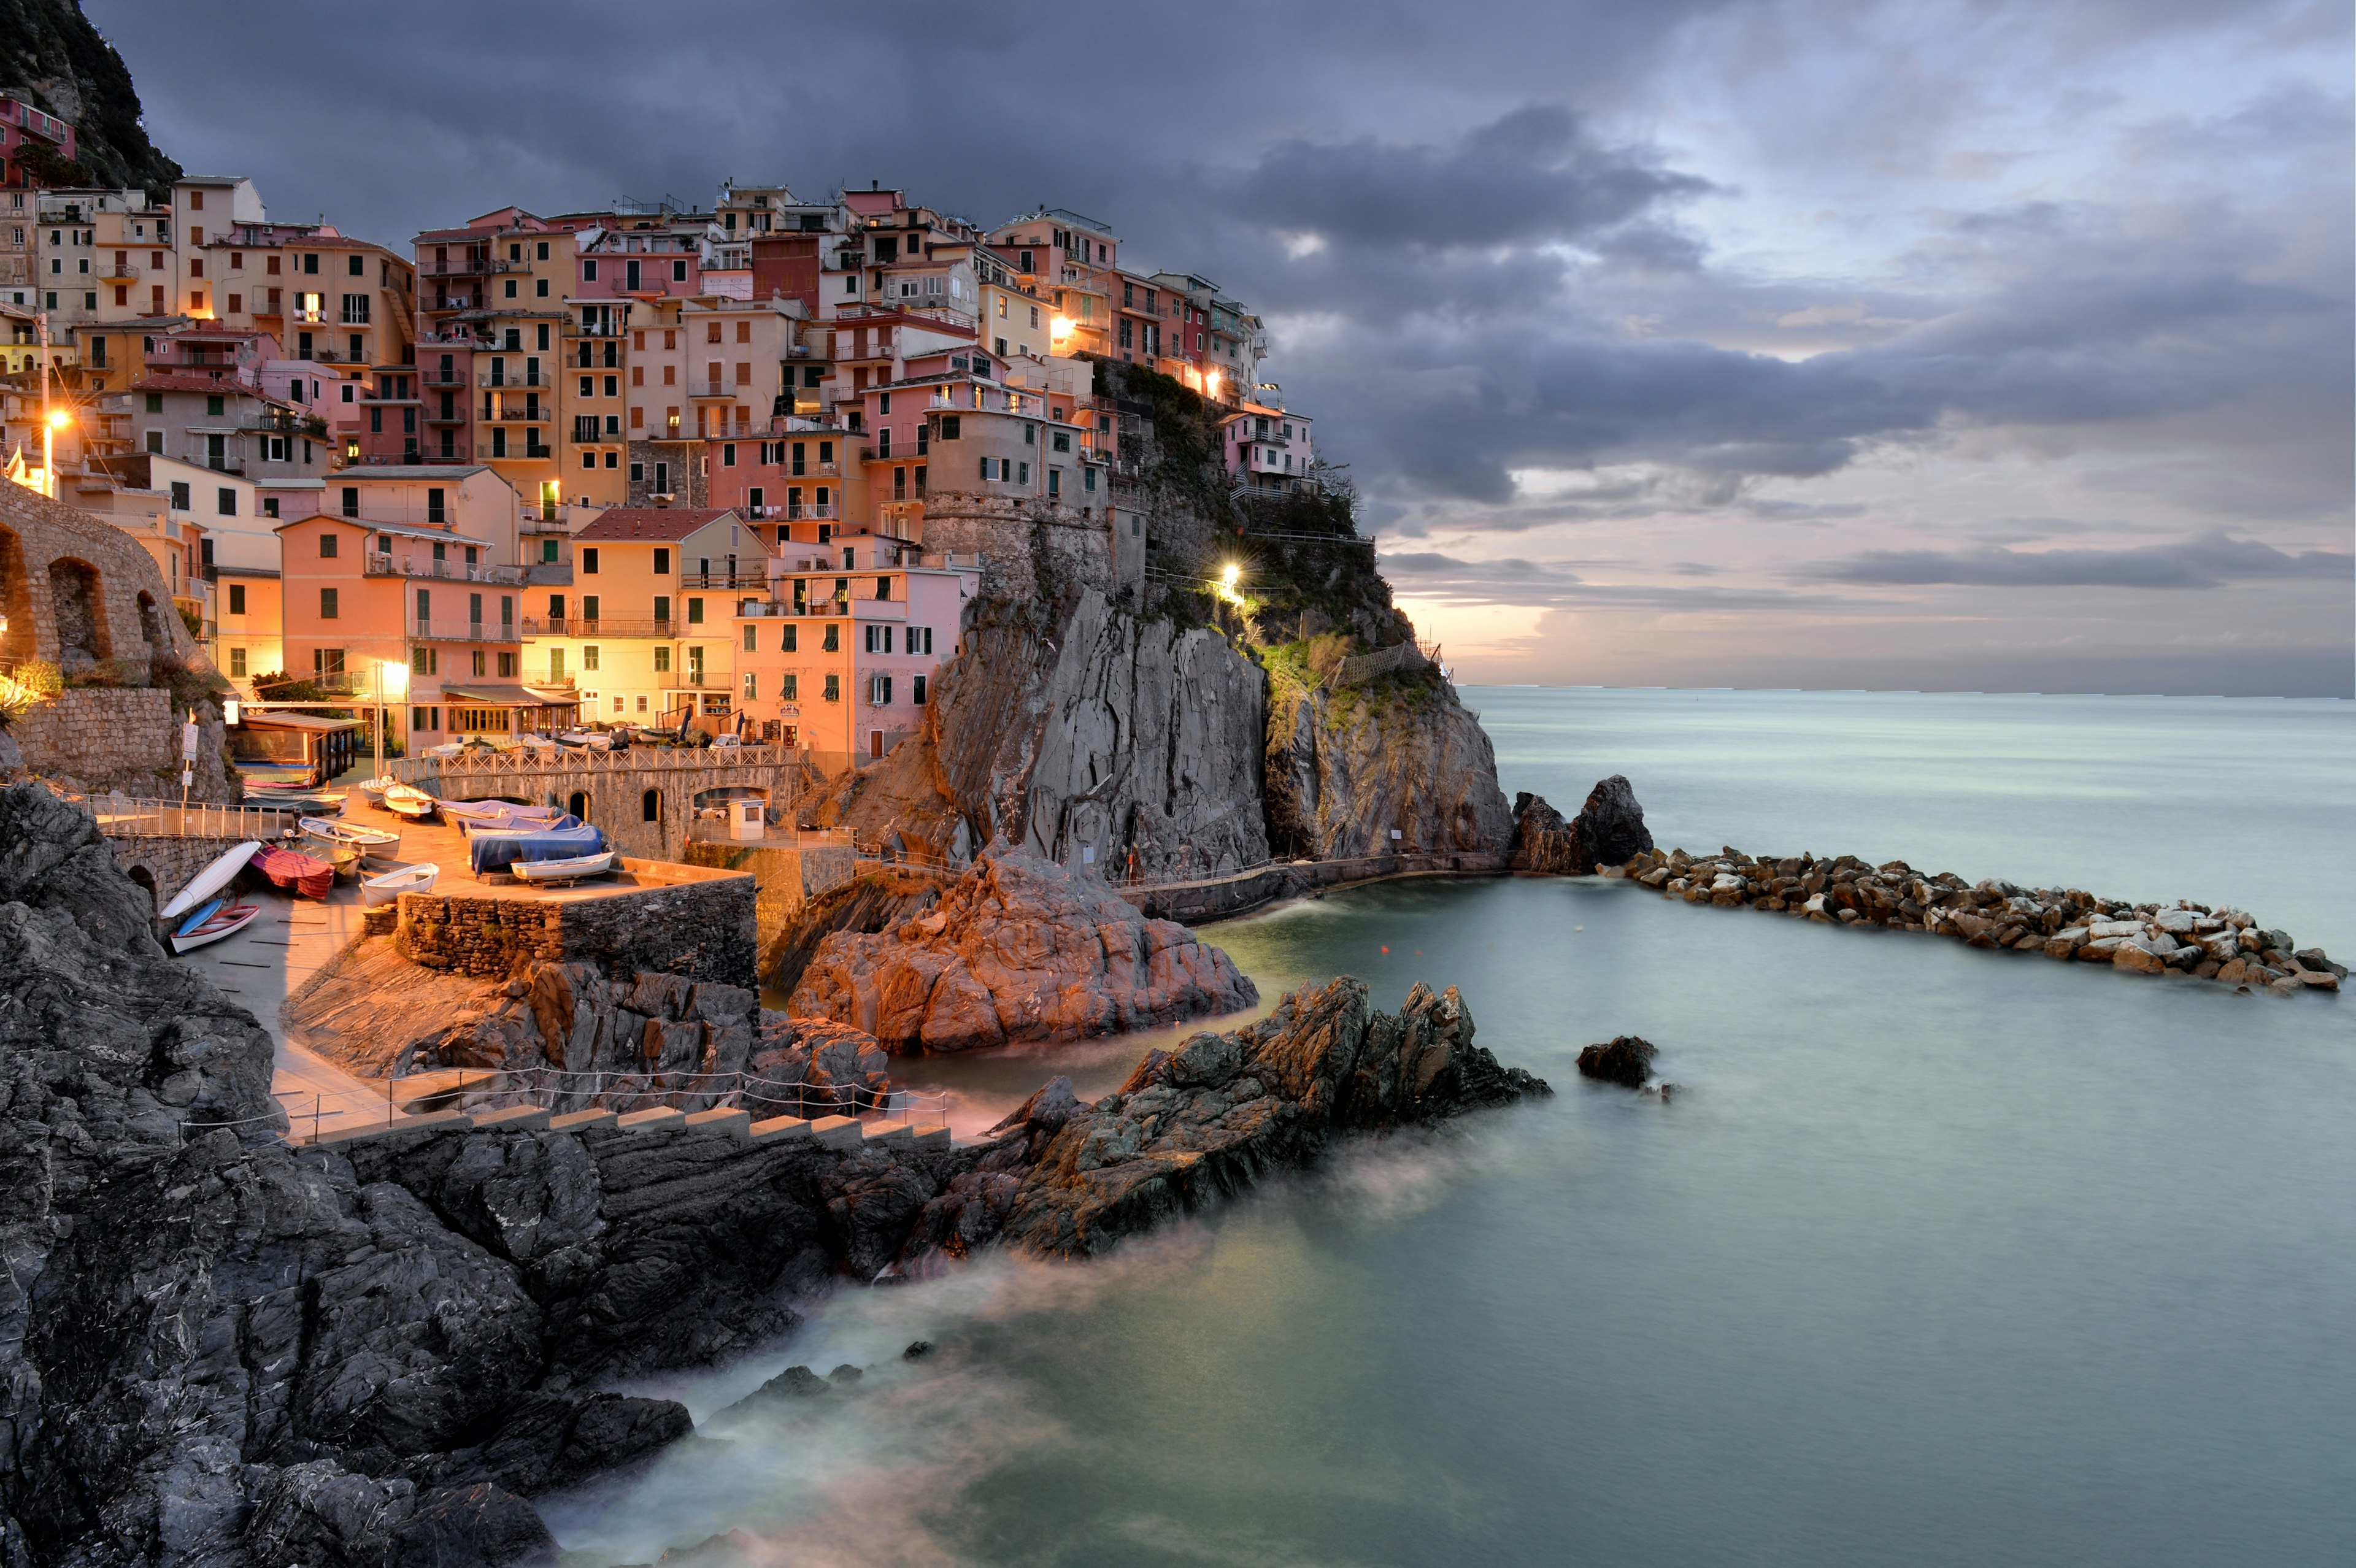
644, 631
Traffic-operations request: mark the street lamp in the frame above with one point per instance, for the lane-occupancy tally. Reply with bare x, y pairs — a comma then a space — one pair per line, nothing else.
58, 418
396, 676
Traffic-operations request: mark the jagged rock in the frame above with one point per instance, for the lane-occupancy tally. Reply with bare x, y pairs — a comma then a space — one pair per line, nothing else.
1025, 951
1627, 1061
52, 857
1343, 775
1541, 840
1608, 831
1226, 1108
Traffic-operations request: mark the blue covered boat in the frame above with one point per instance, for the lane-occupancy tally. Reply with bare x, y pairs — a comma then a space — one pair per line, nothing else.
498, 851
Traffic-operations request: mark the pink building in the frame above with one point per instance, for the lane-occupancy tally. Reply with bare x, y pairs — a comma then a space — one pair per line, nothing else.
22, 126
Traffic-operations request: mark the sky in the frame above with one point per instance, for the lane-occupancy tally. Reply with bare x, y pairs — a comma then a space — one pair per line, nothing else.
1705, 343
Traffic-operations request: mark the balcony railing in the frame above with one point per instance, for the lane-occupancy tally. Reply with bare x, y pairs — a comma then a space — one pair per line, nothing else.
444, 377
585, 427
527, 376
751, 582
717, 389
500, 411
602, 626
807, 512
379, 564
451, 629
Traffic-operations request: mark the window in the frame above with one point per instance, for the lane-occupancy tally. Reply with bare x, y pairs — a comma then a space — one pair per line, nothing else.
750, 632
327, 603
589, 653
507, 666
225, 503
216, 407
662, 661
237, 661
695, 612
662, 609
155, 402
791, 642
589, 561
181, 495
662, 557
832, 642
833, 685
879, 691
327, 547
478, 661
1021, 472
749, 687
791, 689
237, 598
650, 803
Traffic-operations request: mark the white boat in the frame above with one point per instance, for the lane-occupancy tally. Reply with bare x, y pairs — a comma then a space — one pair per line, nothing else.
386, 888
373, 843
374, 788
570, 869
211, 880
214, 920
585, 738
407, 800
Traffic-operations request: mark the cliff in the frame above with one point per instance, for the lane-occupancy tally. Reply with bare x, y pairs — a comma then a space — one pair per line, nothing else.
50, 54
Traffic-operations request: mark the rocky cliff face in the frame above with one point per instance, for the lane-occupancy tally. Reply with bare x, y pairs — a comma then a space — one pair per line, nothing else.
50, 54
1608, 831
1345, 768
1020, 950
1068, 1178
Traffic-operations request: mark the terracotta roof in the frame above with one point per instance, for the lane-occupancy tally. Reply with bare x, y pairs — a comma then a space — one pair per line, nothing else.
653, 524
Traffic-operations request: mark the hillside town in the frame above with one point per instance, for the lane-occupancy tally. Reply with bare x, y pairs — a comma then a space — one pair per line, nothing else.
733, 470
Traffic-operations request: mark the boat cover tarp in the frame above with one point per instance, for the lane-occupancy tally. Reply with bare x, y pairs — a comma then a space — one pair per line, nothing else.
503, 815
305, 874
496, 851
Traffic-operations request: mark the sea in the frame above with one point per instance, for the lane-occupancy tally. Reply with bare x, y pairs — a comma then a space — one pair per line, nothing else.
1936, 1256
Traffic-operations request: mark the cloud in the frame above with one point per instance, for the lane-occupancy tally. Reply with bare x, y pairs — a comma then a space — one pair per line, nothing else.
1533, 175
2209, 563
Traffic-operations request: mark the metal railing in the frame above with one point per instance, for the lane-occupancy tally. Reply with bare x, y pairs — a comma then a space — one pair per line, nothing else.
452, 630
749, 581
122, 816
600, 627
379, 564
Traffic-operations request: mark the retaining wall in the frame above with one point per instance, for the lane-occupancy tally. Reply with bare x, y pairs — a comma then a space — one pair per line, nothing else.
1194, 904
703, 928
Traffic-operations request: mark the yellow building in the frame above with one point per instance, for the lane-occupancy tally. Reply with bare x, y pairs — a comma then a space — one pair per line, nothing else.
645, 628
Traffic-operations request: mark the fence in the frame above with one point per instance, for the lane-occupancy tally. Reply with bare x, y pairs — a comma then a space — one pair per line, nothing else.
479, 764
1360, 667
120, 816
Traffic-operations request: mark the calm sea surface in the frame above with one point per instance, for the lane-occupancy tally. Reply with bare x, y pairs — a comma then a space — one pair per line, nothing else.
1940, 1256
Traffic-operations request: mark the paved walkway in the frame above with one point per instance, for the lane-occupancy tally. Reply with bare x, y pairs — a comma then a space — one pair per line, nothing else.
291, 940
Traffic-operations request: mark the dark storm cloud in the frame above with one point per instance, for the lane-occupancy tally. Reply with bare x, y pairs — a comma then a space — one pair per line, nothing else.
2208, 563
1530, 176
1552, 584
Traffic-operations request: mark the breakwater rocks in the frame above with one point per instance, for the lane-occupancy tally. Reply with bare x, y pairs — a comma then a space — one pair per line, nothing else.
1626, 1060
1608, 831
1017, 950
1066, 1179
2220, 945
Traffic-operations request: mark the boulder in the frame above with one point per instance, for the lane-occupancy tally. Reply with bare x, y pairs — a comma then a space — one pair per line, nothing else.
1608, 831
1626, 1060
1025, 951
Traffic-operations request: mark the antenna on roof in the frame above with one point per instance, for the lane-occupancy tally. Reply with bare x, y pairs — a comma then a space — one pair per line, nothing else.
874, 185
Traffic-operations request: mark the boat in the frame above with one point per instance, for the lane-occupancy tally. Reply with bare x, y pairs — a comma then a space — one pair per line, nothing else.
296, 871
374, 788
570, 869
496, 851
584, 740
388, 887
408, 800
215, 920
212, 880
374, 843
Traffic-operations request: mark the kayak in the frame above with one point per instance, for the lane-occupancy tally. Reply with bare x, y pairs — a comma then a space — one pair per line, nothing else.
216, 920
297, 872
212, 880
388, 886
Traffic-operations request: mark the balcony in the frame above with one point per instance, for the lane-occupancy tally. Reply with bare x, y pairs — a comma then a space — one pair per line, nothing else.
814, 471
827, 609
526, 377
698, 389
720, 581
438, 378
455, 629
810, 512
379, 564
605, 626
501, 411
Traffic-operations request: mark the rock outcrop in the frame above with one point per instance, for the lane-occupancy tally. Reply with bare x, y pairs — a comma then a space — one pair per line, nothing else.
1626, 1060
1347, 769
1017, 950
1609, 829
2209, 943
1066, 1179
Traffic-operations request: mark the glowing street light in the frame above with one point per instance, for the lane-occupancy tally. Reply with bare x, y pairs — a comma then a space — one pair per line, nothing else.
1231, 576
1060, 329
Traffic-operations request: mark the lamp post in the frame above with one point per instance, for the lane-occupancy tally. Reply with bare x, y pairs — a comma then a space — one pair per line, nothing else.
388, 673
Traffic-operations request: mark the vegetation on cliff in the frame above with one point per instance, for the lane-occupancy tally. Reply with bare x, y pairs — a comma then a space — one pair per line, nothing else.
51, 55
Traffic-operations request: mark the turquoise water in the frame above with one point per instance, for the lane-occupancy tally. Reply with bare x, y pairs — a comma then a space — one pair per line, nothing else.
1939, 1256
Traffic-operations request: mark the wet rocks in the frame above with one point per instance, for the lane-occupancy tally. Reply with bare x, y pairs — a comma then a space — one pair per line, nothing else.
1609, 830
1205, 1121
1626, 1060
2067, 923
1017, 950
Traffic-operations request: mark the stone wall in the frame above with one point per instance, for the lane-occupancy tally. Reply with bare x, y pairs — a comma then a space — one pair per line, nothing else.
611, 787
76, 590
1034, 549
165, 866
125, 739
702, 929
787, 876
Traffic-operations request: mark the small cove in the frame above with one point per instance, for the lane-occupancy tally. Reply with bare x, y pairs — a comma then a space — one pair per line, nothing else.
1941, 1256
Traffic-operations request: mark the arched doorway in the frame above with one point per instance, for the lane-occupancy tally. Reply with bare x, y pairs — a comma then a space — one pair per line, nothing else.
578, 805
78, 600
